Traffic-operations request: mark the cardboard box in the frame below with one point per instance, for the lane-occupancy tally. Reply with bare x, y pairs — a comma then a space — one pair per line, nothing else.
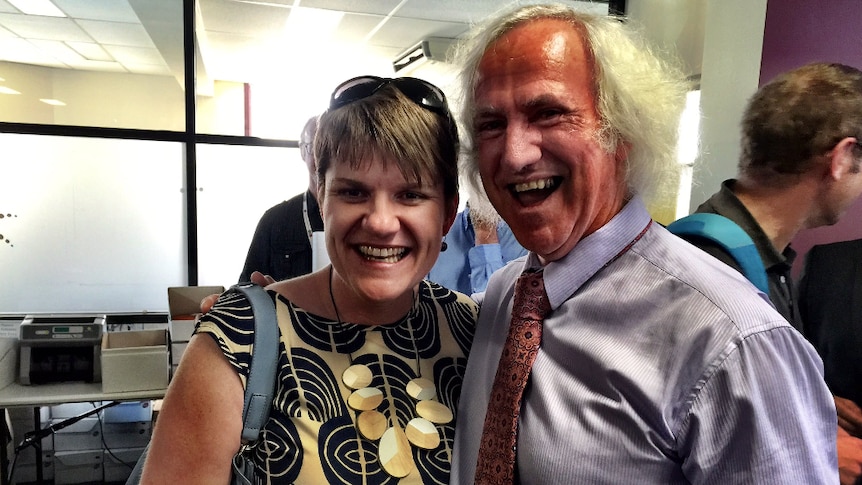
26, 472
85, 434
77, 467
182, 327
184, 307
184, 304
177, 349
72, 409
119, 462
127, 435
135, 361
128, 412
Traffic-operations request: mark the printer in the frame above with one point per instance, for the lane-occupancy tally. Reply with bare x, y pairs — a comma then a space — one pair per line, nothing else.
60, 348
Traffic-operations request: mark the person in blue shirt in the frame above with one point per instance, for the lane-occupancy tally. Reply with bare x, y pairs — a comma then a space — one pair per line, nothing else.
478, 244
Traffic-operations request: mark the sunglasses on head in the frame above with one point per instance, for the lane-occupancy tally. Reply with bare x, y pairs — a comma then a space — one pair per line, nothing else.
420, 92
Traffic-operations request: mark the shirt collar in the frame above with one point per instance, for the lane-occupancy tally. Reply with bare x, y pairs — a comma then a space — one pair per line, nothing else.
592, 253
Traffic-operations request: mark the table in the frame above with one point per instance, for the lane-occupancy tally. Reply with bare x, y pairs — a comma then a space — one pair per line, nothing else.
17, 395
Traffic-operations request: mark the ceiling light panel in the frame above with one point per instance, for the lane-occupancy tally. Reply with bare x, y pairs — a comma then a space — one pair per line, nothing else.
88, 65
37, 7
149, 69
20, 50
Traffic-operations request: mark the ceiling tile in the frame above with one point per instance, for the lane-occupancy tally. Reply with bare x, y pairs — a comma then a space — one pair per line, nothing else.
116, 33
135, 55
112, 10
46, 28
242, 18
7, 7
407, 32
374, 7
91, 51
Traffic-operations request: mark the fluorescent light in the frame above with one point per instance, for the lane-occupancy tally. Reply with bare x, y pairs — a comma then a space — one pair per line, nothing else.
306, 23
52, 102
5, 90
38, 7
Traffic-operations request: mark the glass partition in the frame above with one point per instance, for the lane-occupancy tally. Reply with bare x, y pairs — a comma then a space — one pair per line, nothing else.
236, 185
113, 64
90, 225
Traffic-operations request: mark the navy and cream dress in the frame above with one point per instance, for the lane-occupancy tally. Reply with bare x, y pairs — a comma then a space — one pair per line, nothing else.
357, 403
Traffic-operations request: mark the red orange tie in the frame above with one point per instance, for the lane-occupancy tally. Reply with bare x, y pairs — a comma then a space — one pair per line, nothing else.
497, 449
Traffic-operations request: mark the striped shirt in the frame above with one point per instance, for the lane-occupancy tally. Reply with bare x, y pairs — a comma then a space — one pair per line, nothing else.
659, 365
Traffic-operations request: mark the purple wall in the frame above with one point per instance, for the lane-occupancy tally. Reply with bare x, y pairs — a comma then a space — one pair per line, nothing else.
801, 31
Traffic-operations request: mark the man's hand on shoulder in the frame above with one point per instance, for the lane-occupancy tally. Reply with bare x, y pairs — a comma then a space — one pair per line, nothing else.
257, 278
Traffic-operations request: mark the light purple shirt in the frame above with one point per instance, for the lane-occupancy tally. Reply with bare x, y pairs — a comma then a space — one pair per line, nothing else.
659, 365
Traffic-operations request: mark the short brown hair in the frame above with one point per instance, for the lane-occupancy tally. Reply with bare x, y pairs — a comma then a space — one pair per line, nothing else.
797, 116
390, 125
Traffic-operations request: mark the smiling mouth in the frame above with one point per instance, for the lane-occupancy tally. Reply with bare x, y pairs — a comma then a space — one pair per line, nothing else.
534, 190
384, 255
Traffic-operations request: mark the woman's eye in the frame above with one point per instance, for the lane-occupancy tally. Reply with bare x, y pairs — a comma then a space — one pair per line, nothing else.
413, 196
350, 193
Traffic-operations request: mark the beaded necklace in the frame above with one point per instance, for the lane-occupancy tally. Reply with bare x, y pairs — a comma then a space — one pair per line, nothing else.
421, 431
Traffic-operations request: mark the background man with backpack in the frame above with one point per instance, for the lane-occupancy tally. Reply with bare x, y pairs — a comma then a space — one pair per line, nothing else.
799, 169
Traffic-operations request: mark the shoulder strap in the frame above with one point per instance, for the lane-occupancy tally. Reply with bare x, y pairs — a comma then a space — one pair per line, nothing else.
260, 384
730, 237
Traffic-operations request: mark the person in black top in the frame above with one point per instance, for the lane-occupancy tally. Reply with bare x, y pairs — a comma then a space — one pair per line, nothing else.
281, 246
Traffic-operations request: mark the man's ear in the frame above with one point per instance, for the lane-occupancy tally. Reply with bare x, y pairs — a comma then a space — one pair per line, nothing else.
842, 158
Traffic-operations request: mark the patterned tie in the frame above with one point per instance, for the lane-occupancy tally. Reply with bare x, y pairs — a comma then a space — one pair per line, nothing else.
497, 449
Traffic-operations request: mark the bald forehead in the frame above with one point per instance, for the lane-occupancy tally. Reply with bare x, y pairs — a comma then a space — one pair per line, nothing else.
546, 47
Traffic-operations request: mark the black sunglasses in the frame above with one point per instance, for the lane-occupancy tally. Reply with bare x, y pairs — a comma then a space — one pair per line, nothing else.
419, 91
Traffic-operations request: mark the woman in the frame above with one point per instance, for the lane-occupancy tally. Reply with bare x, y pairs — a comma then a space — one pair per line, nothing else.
386, 152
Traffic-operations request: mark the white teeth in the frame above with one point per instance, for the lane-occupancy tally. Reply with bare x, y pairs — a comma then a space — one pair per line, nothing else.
535, 185
388, 255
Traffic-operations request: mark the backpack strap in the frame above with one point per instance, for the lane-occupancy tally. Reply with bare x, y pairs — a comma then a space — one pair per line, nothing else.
730, 237
260, 384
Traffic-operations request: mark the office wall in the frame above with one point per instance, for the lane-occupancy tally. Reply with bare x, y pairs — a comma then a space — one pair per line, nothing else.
731, 67
801, 31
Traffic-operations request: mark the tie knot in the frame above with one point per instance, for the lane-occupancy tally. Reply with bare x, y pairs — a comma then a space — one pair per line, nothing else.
531, 301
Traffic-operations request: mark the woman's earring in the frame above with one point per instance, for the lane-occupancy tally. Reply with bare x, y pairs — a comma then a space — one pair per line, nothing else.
443, 246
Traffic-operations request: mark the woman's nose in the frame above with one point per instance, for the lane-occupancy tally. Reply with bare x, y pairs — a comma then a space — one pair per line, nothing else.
382, 216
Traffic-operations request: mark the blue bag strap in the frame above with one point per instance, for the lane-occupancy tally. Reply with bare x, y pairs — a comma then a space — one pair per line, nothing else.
731, 237
260, 384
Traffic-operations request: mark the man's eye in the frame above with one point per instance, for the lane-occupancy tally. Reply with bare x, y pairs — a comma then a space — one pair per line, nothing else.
488, 127
548, 114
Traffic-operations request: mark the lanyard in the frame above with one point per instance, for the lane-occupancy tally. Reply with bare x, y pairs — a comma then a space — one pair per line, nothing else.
305, 216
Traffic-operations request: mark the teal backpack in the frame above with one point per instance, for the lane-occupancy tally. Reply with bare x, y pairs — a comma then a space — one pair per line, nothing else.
730, 237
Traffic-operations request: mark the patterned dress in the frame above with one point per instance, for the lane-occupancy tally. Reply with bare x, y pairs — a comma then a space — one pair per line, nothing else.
312, 436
